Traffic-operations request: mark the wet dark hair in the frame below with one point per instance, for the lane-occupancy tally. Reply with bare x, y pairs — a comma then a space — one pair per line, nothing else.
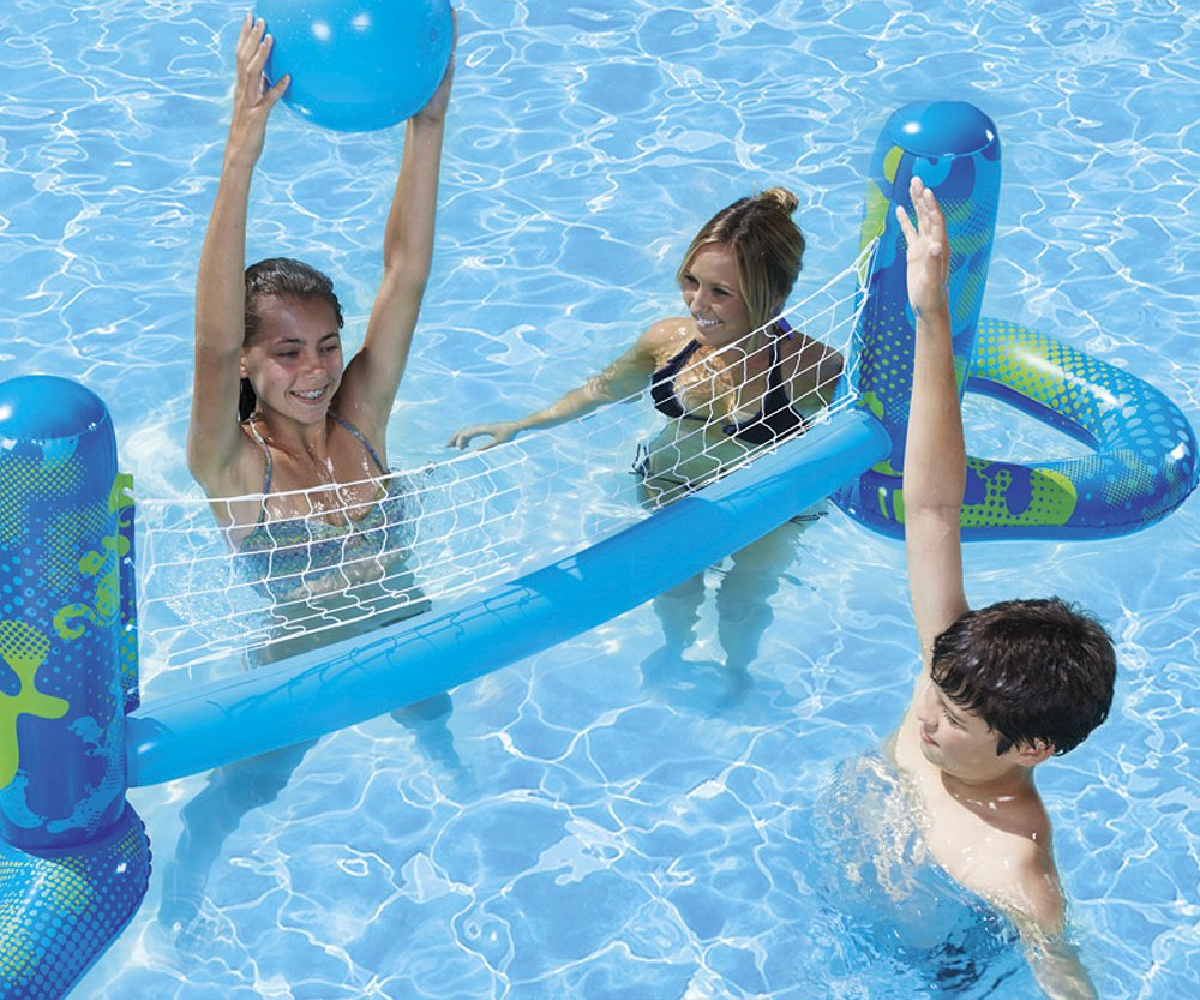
281, 277
1033, 670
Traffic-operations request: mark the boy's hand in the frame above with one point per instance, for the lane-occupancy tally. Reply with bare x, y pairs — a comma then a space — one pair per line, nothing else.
928, 256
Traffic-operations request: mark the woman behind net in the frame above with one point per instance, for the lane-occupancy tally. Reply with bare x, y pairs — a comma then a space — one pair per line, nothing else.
733, 377
289, 446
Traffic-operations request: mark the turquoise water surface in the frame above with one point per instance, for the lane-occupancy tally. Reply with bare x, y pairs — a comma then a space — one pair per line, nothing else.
604, 820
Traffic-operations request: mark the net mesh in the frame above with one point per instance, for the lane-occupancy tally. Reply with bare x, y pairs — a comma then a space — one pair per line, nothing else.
443, 532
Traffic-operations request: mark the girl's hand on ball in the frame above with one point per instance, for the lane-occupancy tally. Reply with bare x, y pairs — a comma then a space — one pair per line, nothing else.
435, 107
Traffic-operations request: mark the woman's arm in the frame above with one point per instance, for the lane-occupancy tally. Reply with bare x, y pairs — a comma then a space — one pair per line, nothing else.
372, 378
625, 376
214, 434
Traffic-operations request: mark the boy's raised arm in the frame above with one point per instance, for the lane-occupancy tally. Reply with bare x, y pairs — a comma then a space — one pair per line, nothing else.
935, 455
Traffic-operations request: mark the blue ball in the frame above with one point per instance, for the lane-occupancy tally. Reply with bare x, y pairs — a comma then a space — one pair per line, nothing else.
358, 65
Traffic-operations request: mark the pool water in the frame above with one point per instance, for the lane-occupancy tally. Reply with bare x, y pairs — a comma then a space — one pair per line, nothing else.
606, 819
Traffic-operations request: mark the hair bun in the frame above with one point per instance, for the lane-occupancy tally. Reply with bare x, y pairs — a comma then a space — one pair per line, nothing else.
782, 197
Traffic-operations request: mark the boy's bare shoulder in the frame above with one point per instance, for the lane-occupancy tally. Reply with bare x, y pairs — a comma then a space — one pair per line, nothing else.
1018, 875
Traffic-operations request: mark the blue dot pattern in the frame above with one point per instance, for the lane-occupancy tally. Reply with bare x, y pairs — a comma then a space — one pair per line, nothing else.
74, 857
1144, 462
60, 910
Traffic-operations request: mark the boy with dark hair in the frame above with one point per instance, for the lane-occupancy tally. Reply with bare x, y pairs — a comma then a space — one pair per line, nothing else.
1001, 688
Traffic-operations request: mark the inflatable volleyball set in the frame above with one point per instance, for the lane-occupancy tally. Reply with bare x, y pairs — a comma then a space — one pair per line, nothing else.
74, 857
1143, 463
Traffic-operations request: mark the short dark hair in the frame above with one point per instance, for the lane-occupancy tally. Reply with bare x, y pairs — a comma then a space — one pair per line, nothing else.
1033, 670
284, 278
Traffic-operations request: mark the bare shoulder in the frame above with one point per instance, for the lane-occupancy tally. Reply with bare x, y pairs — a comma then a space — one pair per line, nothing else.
665, 337
812, 367
1022, 880
831, 362
811, 353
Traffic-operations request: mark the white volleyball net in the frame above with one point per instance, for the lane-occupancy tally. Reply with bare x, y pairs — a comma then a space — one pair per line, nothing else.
435, 535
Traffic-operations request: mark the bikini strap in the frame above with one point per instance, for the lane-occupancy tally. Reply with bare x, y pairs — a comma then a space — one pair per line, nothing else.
774, 378
662, 384
343, 422
672, 367
267, 465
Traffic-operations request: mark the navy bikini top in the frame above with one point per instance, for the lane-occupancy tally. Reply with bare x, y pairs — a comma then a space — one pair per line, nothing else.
776, 419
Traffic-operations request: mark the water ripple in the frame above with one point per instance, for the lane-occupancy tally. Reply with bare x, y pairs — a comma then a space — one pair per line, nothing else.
601, 821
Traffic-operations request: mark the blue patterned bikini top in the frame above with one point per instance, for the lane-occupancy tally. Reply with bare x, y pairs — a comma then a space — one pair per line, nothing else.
296, 553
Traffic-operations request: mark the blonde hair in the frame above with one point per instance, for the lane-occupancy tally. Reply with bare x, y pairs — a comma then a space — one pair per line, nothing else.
767, 245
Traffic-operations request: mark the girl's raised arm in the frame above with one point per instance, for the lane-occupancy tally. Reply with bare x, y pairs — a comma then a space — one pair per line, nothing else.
372, 378
214, 434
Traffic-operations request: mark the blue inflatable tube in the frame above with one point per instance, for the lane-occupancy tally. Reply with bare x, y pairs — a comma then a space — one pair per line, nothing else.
1144, 455
340, 685
74, 858
1143, 462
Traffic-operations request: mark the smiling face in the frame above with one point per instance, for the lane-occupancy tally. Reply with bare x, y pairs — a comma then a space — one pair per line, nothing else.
712, 292
294, 361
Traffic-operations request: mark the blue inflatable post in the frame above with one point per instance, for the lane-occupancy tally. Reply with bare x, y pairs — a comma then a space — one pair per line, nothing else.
74, 858
954, 148
1143, 460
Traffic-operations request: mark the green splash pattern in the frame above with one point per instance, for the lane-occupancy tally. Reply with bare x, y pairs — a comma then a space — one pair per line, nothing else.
25, 650
1052, 501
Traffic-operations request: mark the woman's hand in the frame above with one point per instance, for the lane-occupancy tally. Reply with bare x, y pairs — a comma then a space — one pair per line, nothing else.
499, 433
252, 101
434, 111
928, 251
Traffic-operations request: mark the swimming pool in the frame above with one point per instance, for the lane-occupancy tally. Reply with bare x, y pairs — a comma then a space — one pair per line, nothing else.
597, 822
